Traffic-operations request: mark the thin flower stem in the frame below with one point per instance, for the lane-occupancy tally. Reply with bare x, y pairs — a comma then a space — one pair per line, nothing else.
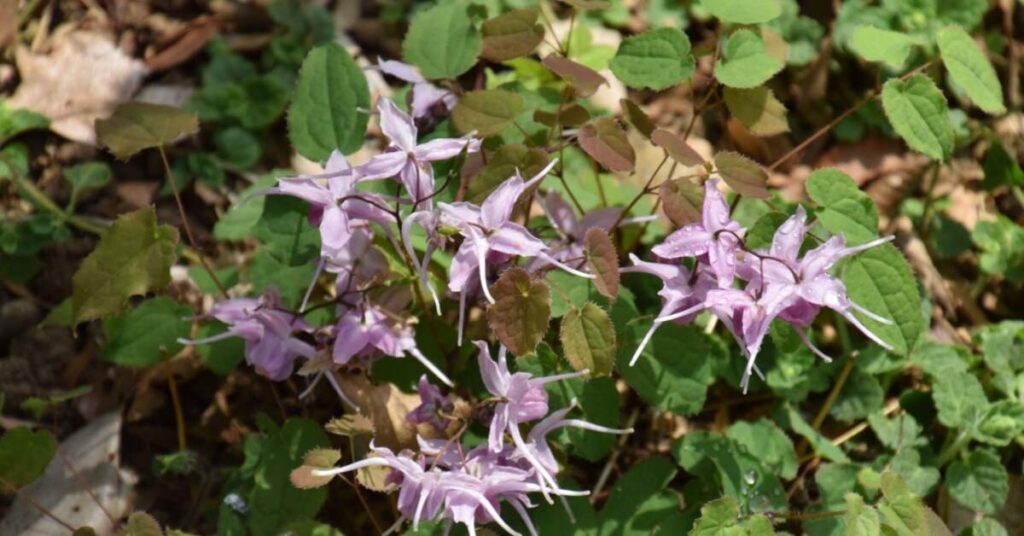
179, 416
607, 470
833, 394
184, 222
951, 451
42, 200
636, 199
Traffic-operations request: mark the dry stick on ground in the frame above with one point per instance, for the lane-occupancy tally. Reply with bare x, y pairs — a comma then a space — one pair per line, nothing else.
184, 222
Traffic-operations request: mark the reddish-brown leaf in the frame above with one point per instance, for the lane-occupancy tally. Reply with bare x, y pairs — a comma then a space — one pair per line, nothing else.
584, 79
676, 147
682, 200
603, 261
607, 144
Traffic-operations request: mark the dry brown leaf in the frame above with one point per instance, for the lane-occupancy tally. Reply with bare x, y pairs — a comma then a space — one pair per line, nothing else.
191, 41
386, 407
81, 80
8, 22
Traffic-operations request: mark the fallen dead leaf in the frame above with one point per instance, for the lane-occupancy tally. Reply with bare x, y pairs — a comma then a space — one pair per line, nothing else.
386, 407
81, 80
8, 22
198, 33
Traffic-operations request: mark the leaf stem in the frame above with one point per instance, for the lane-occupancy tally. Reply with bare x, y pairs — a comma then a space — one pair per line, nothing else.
179, 416
951, 450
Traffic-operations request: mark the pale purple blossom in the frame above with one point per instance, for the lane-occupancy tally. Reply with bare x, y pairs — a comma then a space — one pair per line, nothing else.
424, 97
369, 331
268, 331
432, 405
408, 159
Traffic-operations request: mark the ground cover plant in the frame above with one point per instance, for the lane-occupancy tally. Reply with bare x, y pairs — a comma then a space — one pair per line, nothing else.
709, 267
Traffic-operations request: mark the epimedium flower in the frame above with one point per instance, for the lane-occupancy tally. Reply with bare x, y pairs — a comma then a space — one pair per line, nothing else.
408, 159
424, 97
267, 330
717, 236
368, 330
432, 405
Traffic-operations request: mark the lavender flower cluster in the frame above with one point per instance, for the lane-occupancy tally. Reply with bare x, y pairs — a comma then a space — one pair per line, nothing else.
745, 289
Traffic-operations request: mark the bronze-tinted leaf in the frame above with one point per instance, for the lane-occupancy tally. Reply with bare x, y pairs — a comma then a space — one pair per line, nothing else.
603, 261
588, 338
570, 116
511, 35
635, 116
303, 477
350, 425
375, 478
486, 112
584, 79
386, 407
502, 165
135, 126
758, 110
521, 310
682, 200
676, 147
742, 174
605, 141
322, 458
141, 524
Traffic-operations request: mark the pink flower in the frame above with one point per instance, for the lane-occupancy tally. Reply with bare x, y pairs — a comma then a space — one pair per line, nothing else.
424, 97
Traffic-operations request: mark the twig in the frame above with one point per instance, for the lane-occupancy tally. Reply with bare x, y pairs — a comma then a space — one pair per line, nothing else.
607, 470
179, 416
184, 222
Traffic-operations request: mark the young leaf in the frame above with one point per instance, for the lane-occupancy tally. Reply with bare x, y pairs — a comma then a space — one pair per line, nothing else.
486, 111
742, 174
861, 519
503, 164
918, 111
717, 518
743, 11
511, 35
900, 507
607, 144
442, 41
24, 455
969, 68
14, 121
133, 258
876, 45
845, 209
85, 177
676, 147
582, 78
758, 110
980, 482
324, 115
603, 261
881, 281
682, 200
588, 338
135, 126
745, 62
147, 334
656, 59
1001, 423
141, 524
635, 116
959, 399
521, 310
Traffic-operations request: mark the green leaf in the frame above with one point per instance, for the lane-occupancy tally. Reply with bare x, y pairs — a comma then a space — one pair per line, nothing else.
900, 507
877, 45
673, 372
980, 482
860, 519
486, 112
985, 527
859, 397
147, 334
918, 111
141, 524
86, 176
442, 41
274, 502
745, 62
603, 261
237, 147
284, 231
291, 281
324, 115
959, 399
503, 164
772, 446
1001, 169
920, 478
1002, 248
822, 445
1001, 423
717, 517
238, 222
940, 360
757, 109
24, 455
135, 126
132, 258
880, 280
743, 11
742, 174
520, 313
511, 35
655, 59
639, 498
14, 121
971, 69
605, 141
221, 356
762, 232
588, 338
897, 432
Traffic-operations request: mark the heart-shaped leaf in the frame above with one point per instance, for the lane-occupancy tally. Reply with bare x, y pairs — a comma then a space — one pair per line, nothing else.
521, 310
605, 141
442, 41
745, 62
511, 35
742, 174
758, 110
588, 338
135, 126
584, 79
603, 261
676, 147
656, 59
487, 111
682, 201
